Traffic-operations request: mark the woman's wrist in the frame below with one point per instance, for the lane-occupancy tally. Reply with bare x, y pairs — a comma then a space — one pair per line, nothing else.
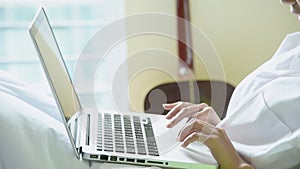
238, 163
245, 166
241, 164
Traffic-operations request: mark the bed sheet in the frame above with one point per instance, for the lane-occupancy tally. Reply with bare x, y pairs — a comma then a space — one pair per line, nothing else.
32, 135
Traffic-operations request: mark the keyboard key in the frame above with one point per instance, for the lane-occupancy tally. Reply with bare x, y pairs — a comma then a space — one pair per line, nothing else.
120, 149
130, 150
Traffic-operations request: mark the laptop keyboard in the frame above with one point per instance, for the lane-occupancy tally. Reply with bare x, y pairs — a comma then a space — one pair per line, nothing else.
125, 134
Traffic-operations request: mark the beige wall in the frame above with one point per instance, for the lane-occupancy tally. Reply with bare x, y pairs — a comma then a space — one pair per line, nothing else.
152, 48
244, 33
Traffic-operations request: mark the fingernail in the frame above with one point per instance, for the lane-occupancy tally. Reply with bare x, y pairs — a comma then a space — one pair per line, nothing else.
178, 139
171, 123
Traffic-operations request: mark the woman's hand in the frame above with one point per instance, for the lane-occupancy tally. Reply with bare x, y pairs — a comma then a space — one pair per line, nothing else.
181, 110
216, 140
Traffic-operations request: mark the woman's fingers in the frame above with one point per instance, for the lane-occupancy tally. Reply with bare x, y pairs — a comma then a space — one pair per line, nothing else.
209, 115
176, 107
183, 113
180, 110
193, 127
169, 106
200, 137
186, 130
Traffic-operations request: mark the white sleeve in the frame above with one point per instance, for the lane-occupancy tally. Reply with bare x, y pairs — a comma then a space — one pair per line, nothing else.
284, 154
263, 115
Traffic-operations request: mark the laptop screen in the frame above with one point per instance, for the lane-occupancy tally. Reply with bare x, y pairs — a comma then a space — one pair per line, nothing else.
54, 65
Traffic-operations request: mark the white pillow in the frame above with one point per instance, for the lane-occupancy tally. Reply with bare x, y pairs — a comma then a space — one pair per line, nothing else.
32, 135
31, 139
36, 97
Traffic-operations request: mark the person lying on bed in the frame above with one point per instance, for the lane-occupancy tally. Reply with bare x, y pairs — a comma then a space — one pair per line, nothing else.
261, 128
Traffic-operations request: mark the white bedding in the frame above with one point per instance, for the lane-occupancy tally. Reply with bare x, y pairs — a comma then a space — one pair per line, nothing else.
32, 135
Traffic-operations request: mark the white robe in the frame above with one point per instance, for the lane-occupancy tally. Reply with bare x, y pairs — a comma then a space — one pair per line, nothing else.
264, 111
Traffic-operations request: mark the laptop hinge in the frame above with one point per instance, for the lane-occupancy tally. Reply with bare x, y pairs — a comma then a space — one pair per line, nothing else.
77, 135
83, 130
87, 134
72, 124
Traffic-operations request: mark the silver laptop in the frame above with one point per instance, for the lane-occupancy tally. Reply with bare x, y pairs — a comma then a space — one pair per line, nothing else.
117, 137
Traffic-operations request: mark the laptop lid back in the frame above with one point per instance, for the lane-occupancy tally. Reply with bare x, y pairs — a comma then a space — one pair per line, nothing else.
55, 68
